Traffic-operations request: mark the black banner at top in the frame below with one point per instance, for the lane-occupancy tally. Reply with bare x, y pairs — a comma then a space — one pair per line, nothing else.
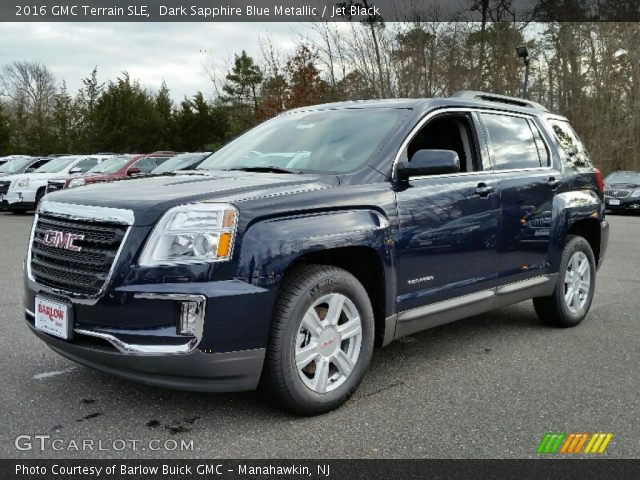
319, 10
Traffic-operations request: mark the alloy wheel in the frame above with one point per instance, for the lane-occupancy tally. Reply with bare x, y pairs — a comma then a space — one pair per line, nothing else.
328, 343
577, 282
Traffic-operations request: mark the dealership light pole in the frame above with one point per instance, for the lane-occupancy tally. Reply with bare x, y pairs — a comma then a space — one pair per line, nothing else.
524, 54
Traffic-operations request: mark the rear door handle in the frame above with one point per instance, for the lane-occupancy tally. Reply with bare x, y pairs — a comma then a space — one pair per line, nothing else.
484, 190
553, 183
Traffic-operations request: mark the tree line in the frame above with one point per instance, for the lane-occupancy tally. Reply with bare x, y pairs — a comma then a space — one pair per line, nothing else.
589, 72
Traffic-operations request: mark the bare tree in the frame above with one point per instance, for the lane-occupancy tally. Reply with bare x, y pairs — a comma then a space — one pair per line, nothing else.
31, 88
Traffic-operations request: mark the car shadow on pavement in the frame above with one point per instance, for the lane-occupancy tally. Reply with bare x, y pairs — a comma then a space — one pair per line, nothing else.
189, 410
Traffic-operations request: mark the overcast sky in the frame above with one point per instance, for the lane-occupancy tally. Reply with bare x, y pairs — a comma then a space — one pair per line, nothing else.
150, 52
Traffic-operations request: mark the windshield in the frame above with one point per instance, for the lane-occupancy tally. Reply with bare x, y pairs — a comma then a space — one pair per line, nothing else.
180, 162
57, 165
329, 141
623, 177
15, 166
111, 165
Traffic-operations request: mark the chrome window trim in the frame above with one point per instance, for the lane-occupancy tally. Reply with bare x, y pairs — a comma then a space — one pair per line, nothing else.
69, 213
429, 116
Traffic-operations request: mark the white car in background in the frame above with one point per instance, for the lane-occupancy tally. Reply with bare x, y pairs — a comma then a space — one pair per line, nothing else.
25, 191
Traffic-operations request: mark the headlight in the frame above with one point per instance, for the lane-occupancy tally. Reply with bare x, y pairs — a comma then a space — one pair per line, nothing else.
194, 233
23, 183
635, 194
76, 182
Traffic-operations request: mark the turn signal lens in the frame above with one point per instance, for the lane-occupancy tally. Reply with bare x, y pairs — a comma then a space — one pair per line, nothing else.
229, 218
224, 245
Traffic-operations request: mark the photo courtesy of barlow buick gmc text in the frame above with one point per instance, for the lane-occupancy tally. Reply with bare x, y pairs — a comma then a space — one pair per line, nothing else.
319, 239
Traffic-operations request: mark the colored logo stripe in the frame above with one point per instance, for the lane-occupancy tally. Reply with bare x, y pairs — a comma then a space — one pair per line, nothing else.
598, 443
550, 442
574, 442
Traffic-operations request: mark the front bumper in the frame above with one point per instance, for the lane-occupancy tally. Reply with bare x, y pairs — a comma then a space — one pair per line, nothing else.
198, 371
19, 200
628, 203
132, 332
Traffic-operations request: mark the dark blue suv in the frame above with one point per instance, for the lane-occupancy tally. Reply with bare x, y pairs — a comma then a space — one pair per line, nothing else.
293, 250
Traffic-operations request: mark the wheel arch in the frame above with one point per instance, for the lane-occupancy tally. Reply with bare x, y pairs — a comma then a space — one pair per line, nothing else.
589, 229
363, 263
580, 213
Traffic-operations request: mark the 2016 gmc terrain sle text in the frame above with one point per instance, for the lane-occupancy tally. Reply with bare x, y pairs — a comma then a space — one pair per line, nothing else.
297, 247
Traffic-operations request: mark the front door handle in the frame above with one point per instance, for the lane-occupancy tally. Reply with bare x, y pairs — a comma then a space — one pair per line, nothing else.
554, 183
484, 190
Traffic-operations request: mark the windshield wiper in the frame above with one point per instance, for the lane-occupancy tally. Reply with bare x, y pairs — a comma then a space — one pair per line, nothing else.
269, 168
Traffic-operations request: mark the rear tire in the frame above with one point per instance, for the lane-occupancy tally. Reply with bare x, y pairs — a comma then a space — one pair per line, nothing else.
321, 340
570, 301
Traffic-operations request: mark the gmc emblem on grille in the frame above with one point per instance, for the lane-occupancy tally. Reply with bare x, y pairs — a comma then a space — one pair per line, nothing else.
54, 238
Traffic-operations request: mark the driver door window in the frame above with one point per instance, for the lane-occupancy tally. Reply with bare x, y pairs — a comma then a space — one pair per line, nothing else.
449, 132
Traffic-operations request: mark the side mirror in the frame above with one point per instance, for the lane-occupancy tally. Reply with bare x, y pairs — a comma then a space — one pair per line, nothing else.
429, 162
29, 170
75, 170
133, 171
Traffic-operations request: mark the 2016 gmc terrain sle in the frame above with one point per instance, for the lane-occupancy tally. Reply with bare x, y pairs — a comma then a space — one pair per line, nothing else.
295, 248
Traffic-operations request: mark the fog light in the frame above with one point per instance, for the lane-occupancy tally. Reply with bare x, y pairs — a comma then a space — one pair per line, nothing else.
188, 317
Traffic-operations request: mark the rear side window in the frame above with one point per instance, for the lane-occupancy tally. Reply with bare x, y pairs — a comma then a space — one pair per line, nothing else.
572, 150
515, 142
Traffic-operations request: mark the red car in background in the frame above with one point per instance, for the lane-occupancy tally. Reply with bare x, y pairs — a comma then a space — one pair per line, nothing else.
115, 168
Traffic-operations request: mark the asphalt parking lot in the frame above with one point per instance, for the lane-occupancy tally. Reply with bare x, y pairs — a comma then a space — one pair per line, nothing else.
486, 387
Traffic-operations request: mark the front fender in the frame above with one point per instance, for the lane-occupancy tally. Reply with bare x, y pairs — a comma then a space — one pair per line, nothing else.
270, 246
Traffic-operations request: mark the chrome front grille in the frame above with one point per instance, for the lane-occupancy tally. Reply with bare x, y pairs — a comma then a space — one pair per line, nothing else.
4, 187
616, 193
83, 269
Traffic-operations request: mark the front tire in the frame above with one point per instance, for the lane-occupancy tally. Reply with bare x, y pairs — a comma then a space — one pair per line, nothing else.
321, 340
570, 301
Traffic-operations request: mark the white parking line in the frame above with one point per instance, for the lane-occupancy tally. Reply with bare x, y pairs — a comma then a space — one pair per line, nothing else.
40, 376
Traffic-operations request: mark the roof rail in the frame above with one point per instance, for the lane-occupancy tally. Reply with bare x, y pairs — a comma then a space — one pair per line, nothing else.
494, 97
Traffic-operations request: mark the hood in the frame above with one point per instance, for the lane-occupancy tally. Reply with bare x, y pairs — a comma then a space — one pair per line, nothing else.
32, 176
101, 177
625, 185
150, 197
61, 177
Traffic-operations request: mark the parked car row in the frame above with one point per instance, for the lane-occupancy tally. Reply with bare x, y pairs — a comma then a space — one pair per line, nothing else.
24, 181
